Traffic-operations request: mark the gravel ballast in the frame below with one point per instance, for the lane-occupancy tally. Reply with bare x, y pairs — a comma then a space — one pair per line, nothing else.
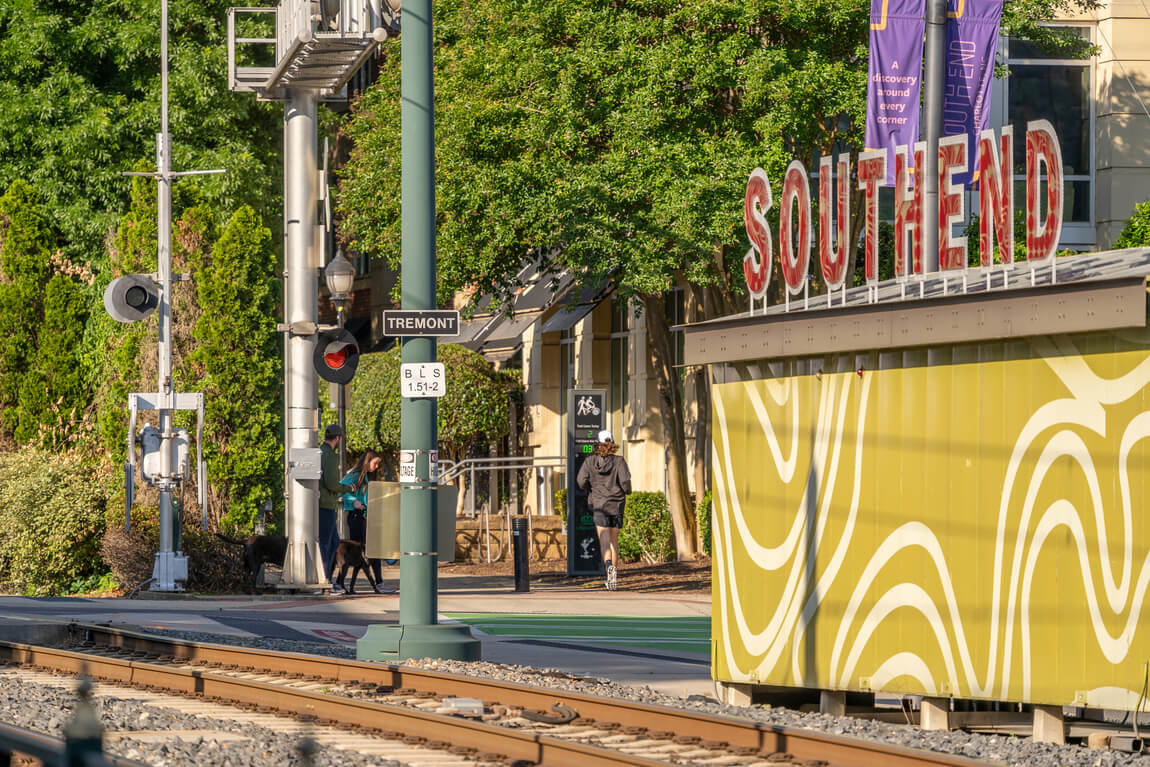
38, 710
49, 709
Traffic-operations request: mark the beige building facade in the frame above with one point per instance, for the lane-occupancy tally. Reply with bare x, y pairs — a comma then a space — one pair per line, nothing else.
1099, 106
562, 339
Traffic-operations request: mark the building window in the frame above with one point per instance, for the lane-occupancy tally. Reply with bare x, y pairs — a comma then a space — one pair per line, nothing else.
620, 353
362, 263
1042, 87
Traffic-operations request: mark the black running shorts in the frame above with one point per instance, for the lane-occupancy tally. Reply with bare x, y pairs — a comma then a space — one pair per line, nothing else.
603, 519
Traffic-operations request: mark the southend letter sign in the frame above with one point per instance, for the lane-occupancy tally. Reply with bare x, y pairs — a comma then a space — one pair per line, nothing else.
996, 202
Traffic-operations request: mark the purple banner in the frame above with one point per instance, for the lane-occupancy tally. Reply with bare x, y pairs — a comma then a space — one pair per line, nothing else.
971, 42
894, 79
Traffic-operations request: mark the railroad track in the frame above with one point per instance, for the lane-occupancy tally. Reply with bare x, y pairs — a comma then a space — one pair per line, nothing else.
482, 721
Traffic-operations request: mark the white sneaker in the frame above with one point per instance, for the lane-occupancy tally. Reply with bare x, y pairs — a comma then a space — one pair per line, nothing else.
612, 578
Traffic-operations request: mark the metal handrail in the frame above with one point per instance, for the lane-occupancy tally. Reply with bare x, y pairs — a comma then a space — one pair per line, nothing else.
498, 463
502, 463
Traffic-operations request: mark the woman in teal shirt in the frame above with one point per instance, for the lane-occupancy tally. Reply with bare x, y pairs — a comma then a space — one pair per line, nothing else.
355, 504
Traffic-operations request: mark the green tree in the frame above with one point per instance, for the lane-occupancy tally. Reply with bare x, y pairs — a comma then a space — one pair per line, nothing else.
54, 392
42, 319
238, 360
617, 139
25, 253
474, 411
80, 85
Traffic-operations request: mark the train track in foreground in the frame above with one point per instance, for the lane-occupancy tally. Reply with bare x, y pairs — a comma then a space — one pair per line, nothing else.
489, 722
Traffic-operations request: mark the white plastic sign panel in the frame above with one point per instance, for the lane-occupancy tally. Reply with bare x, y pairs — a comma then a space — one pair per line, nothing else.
422, 379
407, 459
407, 465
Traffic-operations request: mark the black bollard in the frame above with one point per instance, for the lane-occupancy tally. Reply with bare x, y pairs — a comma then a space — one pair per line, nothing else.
521, 548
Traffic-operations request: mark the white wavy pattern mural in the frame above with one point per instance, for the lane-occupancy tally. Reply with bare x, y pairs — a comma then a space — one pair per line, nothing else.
817, 564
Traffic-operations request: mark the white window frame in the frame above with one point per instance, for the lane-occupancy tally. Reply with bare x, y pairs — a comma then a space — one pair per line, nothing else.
620, 339
1076, 235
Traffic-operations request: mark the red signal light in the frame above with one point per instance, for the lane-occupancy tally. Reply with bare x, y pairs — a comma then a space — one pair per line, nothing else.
336, 360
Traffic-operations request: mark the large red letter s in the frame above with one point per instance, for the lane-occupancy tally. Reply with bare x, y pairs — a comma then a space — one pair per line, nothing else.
757, 262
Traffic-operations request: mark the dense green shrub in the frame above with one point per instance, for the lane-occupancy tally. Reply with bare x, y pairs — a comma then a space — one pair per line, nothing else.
703, 514
1136, 233
238, 360
647, 533
559, 503
52, 517
42, 317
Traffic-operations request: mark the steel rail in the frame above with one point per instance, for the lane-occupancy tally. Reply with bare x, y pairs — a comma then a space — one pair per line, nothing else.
49, 750
510, 744
759, 737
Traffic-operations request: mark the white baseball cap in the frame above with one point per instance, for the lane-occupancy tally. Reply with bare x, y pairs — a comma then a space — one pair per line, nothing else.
605, 436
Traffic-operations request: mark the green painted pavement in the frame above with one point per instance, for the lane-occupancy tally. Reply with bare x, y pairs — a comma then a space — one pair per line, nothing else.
686, 634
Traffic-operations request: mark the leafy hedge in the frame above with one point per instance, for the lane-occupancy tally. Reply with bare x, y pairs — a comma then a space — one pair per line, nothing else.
647, 533
1136, 233
52, 517
703, 514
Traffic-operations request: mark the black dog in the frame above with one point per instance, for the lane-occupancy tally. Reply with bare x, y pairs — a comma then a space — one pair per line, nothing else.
349, 554
260, 550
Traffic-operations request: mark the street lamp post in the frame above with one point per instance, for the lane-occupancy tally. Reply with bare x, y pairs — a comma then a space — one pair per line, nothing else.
340, 276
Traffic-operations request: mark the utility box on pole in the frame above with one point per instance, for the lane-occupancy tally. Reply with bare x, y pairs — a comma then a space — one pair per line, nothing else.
310, 51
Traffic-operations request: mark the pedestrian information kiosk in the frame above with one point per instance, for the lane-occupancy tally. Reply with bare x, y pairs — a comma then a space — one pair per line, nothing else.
586, 416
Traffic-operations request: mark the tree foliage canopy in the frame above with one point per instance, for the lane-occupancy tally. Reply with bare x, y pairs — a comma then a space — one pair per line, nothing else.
620, 134
80, 84
474, 410
237, 362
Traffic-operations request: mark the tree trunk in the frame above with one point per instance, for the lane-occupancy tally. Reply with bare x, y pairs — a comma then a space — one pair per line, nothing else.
696, 312
674, 440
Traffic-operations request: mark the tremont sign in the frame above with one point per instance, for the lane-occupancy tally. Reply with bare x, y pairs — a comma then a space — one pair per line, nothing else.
996, 203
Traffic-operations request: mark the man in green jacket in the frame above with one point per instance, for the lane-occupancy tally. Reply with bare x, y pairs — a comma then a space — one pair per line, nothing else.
329, 497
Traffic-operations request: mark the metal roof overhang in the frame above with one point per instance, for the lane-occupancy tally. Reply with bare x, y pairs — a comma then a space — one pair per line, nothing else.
568, 314
1091, 293
493, 331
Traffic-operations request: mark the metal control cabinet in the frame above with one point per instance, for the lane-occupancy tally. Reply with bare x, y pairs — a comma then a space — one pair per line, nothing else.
383, 520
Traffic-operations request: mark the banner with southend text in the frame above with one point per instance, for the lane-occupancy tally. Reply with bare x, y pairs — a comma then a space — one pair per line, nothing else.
894, 79
971, 42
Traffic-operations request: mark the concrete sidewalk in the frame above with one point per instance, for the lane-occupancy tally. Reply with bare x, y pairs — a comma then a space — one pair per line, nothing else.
660, 639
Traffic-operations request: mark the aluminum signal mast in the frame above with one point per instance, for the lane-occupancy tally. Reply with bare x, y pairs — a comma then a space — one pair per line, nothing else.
171, 566
318, 47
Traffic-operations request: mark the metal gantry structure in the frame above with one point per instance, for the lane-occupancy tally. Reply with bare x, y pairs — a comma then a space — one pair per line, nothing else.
318, 47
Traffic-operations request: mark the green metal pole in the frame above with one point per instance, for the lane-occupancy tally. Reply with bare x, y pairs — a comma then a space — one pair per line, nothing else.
418, 635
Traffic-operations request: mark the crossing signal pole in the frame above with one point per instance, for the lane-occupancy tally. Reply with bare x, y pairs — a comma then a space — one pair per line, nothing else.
132, 298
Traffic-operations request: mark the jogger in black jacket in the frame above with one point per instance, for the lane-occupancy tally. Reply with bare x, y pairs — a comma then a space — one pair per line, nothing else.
610, 481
